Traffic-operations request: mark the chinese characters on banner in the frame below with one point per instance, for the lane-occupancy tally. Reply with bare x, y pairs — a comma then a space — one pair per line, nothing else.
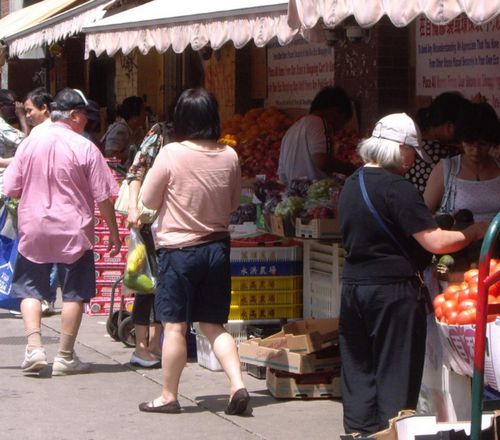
295, 73
459, 56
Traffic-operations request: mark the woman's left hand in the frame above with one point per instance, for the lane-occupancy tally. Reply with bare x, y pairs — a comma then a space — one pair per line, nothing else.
133, 218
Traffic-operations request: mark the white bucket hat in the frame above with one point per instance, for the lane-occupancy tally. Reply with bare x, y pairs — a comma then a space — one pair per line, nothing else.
399, 127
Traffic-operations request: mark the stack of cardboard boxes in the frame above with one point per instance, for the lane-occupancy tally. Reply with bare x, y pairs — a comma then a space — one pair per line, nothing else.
108, 269
266, 280
302, 360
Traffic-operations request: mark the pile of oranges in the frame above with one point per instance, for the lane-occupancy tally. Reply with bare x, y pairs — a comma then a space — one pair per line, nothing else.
457, 304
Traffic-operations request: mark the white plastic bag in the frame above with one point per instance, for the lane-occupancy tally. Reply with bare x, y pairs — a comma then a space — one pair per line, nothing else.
138, 275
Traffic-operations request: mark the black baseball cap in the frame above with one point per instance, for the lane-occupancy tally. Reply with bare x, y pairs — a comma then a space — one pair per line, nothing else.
69, 99
93, 112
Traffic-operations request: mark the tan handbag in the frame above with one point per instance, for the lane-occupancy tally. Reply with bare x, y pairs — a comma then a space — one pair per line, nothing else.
147, 215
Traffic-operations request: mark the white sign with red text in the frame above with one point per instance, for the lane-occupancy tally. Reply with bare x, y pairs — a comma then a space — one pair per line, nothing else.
459, 56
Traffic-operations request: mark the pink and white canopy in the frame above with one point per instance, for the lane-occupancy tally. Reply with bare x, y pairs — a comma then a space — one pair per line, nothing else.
305, 14
161, 24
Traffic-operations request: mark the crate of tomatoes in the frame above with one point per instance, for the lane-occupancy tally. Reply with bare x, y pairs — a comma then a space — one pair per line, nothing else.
455, 311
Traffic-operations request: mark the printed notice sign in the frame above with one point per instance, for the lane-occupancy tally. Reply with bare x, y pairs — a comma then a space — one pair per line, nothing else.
296, 72
459, 56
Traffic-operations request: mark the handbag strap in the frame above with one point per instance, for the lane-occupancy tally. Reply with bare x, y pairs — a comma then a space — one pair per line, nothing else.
381, 222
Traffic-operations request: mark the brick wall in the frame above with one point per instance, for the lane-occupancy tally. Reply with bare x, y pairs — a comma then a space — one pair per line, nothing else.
126, 76
376, 73
356, 71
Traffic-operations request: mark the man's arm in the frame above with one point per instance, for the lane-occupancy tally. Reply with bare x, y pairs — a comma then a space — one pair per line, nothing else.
108, 213
4, 162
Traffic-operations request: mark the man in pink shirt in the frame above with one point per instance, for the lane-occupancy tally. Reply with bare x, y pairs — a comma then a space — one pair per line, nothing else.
58, 174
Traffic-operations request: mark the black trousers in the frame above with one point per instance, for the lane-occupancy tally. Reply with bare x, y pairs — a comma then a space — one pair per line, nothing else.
382, 346
143, 311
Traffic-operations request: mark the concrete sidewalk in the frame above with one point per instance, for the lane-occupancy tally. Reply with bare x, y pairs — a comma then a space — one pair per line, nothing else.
103, 405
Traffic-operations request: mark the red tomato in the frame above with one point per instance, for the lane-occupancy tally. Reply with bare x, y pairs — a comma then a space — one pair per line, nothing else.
466, 317
452, 291
464, 294
473, 290
470, 274
473, 314
438, 312
452, 317
438, 300
492, 299
466, 304
449, 306
464, 285
495, 289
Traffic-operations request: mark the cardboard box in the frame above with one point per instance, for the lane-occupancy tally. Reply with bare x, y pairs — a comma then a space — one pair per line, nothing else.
108, 274
458, 342
318, 228
284, 385
295, 347
101, 236
251, 352
266, 268
410, 426
101, 256
101, 305
305, 336
282, 226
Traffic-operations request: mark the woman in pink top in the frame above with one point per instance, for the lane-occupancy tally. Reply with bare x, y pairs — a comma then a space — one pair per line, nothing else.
195, 184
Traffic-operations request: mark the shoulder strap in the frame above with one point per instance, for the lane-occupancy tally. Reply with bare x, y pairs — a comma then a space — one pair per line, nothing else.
451, 167
379, 220
329, 148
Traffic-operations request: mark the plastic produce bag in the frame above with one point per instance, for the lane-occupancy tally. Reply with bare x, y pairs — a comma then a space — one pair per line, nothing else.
8, 254
138, 275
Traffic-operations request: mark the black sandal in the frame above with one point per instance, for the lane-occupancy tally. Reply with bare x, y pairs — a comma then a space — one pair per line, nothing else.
238, 403
169, 408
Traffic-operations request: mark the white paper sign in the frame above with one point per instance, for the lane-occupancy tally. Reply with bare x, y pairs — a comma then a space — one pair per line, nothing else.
459, 56
296, 72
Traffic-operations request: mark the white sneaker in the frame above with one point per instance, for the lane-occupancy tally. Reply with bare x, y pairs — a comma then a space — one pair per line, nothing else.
63, 367
34, 360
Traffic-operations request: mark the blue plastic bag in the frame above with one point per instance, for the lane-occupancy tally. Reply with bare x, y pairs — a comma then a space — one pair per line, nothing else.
8, 254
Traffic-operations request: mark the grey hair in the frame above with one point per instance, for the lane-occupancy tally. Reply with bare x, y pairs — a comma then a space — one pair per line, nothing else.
60, 115
383, 152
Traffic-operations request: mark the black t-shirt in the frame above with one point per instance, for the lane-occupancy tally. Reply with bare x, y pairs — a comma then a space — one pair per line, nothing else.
372, 256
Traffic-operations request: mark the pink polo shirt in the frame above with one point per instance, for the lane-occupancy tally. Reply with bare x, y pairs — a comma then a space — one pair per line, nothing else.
57, 174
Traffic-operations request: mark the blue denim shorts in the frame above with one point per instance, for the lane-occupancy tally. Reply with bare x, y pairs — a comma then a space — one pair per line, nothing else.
77, 280
194, 283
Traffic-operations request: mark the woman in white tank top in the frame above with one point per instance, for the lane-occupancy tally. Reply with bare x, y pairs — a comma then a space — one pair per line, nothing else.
472, 179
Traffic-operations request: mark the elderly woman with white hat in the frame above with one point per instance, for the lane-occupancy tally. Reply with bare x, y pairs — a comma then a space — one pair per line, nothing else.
389, 236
